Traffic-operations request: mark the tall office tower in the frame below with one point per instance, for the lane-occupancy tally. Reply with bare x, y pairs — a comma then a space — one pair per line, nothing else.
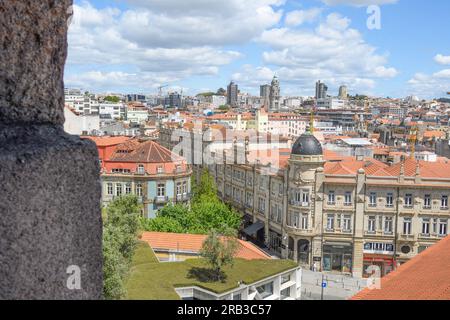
321, 90
173, 100
264, 93
343, 92
232, 94
274, 96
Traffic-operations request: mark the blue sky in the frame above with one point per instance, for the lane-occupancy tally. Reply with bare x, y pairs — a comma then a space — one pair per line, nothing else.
198, 45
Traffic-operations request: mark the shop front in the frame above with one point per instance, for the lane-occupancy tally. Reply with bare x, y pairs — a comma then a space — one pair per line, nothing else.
337, 257
380, 256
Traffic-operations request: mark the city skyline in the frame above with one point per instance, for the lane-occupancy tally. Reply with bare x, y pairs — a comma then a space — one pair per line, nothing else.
136, 46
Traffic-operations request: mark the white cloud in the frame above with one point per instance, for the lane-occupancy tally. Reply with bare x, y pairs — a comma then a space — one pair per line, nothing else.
430, 86
332, 52
358, 3
165, 37
441, 59
298, 17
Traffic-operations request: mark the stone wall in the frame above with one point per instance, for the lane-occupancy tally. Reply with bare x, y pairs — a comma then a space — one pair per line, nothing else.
50, 219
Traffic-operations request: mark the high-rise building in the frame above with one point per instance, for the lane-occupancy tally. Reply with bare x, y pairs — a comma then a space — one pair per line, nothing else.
173, 100
321, 90
274, 96
135, 98
343, 92
232, 94
264, 93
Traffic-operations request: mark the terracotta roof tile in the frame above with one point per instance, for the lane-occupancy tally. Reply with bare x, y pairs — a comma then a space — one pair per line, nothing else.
194, 242
143, 152
425, 277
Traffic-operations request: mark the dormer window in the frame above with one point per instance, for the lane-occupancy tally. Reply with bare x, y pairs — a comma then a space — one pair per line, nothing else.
160, 169
141, 169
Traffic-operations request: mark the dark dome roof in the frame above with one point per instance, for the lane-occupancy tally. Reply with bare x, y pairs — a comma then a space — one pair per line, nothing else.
307, 145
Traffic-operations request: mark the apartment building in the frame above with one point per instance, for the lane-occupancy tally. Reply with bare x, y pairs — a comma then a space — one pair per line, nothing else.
143, 168
337, 216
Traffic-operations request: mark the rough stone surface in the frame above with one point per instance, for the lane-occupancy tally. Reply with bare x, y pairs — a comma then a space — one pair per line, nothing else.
50, 218
33, 49
50, 214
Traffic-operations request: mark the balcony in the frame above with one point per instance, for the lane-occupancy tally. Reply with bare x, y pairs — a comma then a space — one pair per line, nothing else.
299, 232
299, 204
348, 204
161, 199
407, 237
183, 197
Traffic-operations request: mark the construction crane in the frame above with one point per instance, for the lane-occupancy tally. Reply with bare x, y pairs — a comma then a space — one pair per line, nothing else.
414, 136
160, 89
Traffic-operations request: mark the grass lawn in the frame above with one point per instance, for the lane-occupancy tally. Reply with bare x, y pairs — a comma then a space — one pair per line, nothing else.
150, 279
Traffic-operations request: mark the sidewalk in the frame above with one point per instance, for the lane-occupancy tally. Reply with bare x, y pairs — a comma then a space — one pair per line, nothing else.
338, 287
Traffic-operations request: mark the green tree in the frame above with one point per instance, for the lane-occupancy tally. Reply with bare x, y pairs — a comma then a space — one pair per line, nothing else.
112, 99
206, 212
224, 107
221, 92
163, 224
120, 231
204, 188
219, 251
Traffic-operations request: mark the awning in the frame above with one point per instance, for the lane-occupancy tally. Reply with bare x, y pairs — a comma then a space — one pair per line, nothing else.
254, 228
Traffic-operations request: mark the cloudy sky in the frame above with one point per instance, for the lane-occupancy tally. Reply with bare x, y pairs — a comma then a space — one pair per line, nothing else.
134, 46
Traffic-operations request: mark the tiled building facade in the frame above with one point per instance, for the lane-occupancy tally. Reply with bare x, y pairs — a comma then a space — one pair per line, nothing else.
341, 216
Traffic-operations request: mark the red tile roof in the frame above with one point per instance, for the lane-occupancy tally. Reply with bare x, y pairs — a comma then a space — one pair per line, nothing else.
425, 277
107, 141
350, 166
143, 152
194, 242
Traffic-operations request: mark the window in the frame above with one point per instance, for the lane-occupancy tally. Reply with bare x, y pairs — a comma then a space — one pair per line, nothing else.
179, 189
118, 189
249, 199
444, 202
331, 198
139, 191
348, 199
408, 200
304, 222
160, 169
426, 226
161, 190
373, 199
262, 205
185, 188
265, 290
347, 224
128, 188
407, 225
371, 225
305, 197
297, 197
110, 189
427, 201
443, 227
141, 169
330, 222
390, 200
388, 224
